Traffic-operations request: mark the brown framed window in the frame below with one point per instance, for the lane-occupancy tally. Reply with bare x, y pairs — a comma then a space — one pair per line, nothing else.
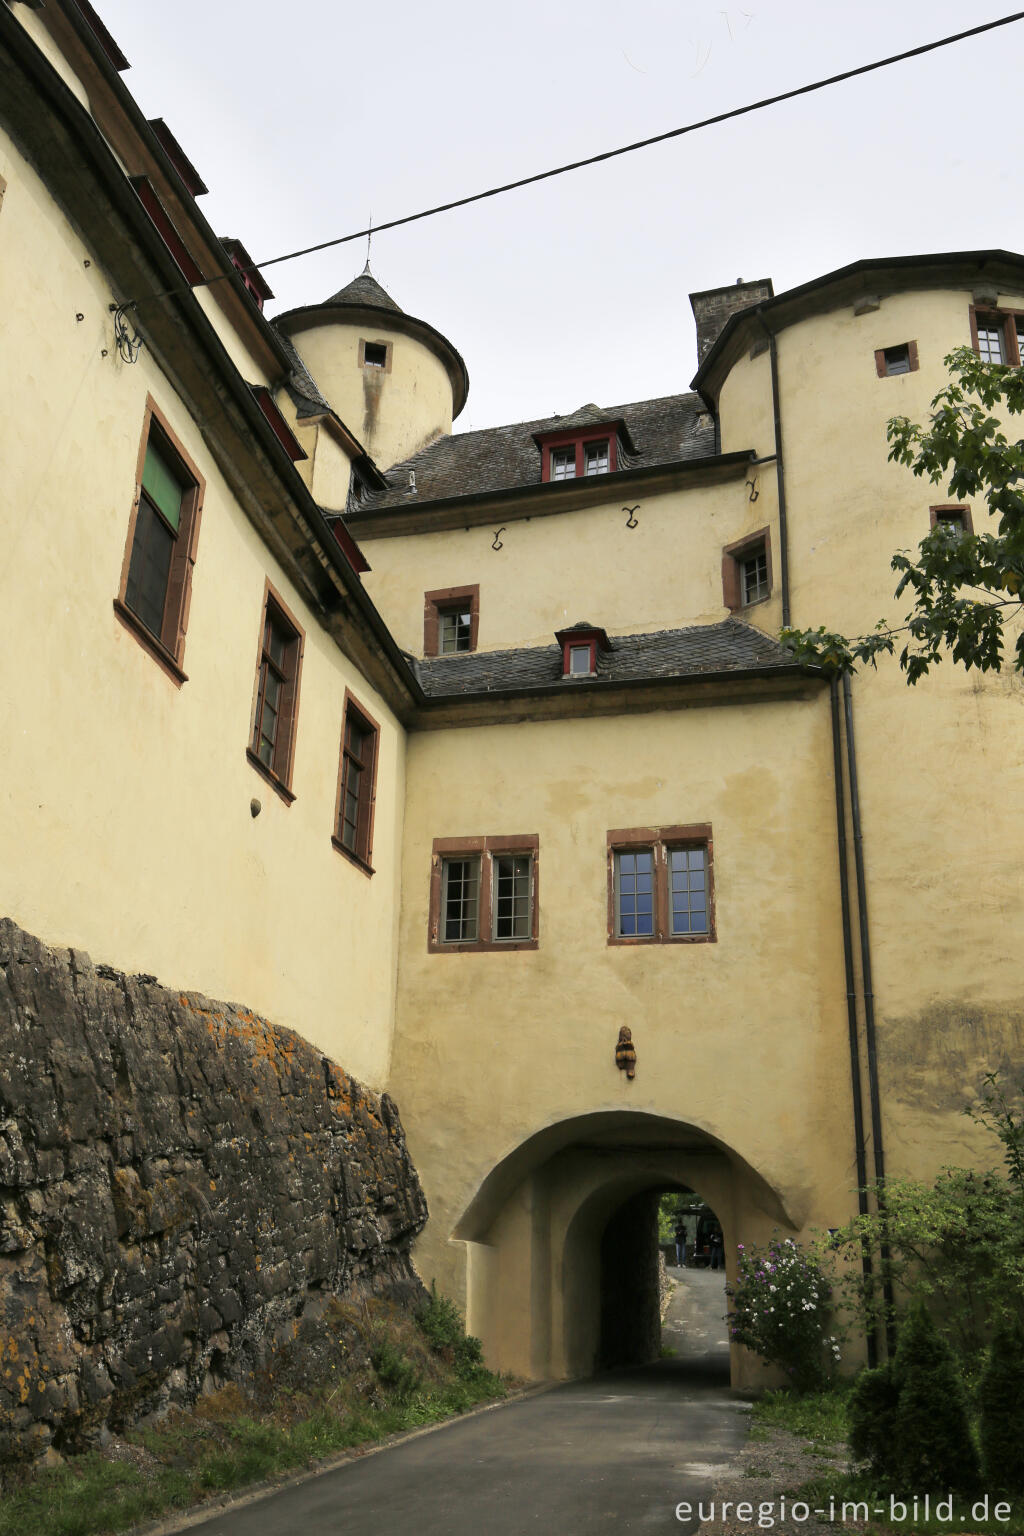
357, 785
483, 894
160, 551
451, 620
957, 518
890, 361
276, 703
747, 571
997, 335
661, 885
375, 355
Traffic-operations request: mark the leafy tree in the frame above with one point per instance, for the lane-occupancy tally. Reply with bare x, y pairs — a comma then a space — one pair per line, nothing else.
1002, 1410
957, 1243
963, 586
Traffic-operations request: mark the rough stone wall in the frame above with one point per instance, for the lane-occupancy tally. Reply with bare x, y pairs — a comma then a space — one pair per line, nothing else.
179, 1180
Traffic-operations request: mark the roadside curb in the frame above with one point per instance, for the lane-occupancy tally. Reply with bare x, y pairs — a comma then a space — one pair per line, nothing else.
186, 1519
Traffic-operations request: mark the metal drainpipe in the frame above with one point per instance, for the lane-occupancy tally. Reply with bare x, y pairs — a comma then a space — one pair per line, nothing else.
851, 1003
878, 1150
780, 473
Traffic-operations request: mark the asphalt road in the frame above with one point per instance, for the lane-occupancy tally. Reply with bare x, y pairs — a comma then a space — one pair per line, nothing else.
615, 1453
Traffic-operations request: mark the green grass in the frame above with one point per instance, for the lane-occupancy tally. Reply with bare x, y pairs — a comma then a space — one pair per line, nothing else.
363, 1373
817, 1417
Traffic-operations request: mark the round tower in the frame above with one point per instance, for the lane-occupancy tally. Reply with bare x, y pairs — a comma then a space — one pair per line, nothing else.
393, 379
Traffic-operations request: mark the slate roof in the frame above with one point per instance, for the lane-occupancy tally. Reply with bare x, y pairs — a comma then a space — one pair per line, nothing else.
700, 649
300, 383
365, 290
660, 431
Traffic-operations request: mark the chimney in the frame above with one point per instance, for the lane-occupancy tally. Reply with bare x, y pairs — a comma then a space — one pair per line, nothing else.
713, 307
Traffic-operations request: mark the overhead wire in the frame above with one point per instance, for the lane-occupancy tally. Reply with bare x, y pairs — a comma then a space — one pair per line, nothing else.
625, 149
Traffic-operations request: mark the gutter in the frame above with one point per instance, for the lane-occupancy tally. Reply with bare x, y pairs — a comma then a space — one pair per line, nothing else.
878, 1150
867, 1266
372, 522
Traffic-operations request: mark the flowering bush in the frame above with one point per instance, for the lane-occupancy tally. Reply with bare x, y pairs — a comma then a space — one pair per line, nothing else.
780, 1311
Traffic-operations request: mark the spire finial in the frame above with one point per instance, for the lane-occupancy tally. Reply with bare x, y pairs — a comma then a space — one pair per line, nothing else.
369, 237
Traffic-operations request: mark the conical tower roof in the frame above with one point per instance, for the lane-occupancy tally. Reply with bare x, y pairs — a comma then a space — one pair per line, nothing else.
365, 290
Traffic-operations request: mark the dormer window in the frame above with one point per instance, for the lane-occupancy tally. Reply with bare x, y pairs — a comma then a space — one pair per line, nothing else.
579, 454
562, 464
580, 646
596, 458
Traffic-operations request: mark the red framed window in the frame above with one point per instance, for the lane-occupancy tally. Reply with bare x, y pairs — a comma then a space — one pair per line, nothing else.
579, 455
997, 335
275, 706
357, 785
580, 647
160, 551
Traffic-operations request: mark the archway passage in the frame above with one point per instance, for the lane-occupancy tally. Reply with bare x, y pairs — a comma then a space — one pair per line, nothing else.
562, 1241
652, 1305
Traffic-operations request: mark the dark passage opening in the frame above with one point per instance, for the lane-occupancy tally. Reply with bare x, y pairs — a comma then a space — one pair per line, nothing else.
639, 1236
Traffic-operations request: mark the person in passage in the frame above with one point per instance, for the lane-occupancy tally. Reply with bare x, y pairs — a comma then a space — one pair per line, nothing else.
680, 1238
717, 1248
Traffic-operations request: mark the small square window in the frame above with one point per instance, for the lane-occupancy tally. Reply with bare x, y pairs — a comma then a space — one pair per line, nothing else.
375, 354
579, 660
451, 620
958, 519
275, 711
660, 886
890, 361
747, 571
357, 783
483, 894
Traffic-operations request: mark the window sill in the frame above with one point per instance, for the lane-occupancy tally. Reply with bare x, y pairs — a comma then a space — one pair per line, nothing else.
629, 942
487, 947
743, 608
270, 776
159, 652
353, 858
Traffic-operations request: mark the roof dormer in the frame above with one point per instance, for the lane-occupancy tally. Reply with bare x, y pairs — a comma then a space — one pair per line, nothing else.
580, 644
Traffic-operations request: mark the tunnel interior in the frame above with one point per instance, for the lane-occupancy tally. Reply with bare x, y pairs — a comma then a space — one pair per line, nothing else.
630, 1258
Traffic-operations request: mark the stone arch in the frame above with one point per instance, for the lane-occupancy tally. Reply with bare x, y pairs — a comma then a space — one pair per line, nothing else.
532, 1229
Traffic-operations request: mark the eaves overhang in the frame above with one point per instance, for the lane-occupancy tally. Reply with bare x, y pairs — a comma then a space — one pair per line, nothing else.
543, 498
245, 313
63, 142
310, 316
602, 697
879, 275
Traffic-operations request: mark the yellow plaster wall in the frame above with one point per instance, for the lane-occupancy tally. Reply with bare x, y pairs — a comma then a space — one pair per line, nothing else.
743, 1039
939, 764
126, 811
393, 413
552, 571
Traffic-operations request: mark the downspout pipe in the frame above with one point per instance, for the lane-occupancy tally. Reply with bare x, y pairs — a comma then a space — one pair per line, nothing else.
867, 1265
870, 1041
780, 472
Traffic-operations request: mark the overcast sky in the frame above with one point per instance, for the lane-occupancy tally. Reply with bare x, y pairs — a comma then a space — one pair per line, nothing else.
305, 119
